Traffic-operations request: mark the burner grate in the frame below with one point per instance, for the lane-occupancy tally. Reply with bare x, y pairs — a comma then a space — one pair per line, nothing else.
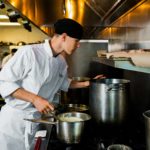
96, 138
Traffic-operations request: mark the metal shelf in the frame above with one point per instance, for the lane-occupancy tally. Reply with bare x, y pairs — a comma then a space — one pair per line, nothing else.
122, 64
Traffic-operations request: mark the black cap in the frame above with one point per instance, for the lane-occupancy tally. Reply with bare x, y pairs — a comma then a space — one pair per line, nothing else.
70, 27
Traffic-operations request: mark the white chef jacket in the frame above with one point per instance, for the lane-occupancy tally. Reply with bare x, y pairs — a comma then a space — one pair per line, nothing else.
33, 68
5, 59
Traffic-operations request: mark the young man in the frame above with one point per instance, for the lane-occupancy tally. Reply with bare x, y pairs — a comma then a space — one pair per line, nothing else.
29, 81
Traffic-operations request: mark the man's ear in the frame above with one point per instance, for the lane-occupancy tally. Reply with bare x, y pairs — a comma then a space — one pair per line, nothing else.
64, 35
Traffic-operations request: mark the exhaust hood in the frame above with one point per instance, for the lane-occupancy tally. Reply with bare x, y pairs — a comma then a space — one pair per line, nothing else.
94, 15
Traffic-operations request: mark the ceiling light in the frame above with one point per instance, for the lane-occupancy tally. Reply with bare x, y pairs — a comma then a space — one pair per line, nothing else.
2, 5
26, 25
10, 24
4, 17
13, 16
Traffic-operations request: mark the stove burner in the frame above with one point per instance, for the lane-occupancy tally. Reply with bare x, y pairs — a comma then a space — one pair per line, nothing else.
95, 138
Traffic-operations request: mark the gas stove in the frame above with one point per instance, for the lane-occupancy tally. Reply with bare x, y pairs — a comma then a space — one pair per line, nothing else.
98, 137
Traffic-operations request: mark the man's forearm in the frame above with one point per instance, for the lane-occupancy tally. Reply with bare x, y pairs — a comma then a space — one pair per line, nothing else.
41, 104
24, 95
77, 84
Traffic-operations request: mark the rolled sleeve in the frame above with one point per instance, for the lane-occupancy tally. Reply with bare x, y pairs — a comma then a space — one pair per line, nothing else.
14, 71
6, 88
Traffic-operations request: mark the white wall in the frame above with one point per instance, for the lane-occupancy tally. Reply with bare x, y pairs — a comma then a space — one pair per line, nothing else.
16, 34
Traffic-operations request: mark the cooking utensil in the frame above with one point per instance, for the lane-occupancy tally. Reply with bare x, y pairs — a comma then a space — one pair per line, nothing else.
81, 79
108, 100
38, 143
69, 126
119, 147
62, 108
45, 120
76, 95
76, 107
71, 132
146, 115
72, 107
52, 114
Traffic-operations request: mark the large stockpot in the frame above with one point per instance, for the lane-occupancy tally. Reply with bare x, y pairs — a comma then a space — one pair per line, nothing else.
108, 100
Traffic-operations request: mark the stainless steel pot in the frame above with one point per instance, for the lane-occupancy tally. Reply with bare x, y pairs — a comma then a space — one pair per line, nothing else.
71, 131
119, 147
81, 79
69, 126
146, 115
72, 107
76, 95
108, 100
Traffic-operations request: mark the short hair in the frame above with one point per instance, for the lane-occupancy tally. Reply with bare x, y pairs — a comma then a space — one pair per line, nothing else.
70, 27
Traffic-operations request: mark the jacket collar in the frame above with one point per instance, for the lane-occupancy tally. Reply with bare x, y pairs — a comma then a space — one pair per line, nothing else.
47, 48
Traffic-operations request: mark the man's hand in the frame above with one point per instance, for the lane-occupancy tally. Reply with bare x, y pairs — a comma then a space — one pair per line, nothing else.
100, 76
42, 105
78, 84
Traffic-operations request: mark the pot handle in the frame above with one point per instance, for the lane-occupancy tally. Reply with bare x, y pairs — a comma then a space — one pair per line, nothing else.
38, 143
41, 121
115, 87
109, 87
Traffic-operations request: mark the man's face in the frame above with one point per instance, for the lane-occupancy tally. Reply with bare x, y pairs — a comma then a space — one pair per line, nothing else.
71, 44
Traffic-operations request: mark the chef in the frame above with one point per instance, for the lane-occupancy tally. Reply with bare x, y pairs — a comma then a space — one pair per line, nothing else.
30, 80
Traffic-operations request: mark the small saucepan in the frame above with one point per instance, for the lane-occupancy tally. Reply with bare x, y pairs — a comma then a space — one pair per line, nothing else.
78, 95
81, 79
69, 126
72, 107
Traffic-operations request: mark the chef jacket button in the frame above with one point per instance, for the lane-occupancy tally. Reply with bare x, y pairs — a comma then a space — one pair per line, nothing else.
60, 75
